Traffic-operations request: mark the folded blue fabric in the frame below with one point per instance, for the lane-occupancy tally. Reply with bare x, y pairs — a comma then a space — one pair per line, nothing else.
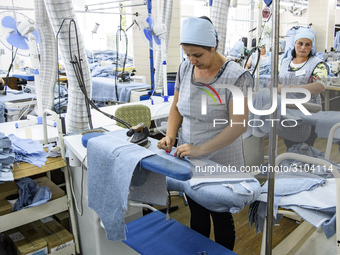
292, 183
28, 150
30, 194
219, 198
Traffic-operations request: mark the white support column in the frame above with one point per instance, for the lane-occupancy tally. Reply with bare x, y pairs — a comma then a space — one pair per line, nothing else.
322, 16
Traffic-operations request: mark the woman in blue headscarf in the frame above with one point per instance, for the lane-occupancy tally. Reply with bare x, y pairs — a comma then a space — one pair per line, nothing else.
199, 77
302, 69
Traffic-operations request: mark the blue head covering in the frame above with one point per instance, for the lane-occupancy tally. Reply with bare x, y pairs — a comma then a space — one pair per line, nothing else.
305, 33
198, 31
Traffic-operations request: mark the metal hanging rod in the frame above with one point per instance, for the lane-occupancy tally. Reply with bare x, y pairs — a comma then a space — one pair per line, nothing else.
110, 2
10, 8
113, 7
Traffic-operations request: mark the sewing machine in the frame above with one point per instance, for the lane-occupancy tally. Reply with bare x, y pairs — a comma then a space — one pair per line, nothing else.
335, 67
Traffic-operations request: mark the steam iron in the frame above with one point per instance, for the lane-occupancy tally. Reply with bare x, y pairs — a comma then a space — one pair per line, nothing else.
139, 135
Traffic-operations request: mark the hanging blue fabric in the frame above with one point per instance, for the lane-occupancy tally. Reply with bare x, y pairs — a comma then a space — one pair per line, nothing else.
336, 43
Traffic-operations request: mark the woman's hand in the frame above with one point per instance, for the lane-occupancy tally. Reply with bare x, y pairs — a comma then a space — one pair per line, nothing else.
188, 150
166, 143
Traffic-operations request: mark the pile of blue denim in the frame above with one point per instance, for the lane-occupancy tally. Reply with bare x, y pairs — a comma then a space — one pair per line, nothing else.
6, 156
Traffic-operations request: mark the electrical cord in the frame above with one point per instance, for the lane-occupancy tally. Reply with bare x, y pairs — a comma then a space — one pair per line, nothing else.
9, 70
117, 57
80, 212
80, 78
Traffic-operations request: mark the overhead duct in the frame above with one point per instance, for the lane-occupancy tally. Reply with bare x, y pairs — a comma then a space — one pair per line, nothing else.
58, 11
219, 17
164, 17
48, 55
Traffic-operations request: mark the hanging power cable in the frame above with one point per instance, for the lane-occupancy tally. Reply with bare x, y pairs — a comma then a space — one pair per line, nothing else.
79, 75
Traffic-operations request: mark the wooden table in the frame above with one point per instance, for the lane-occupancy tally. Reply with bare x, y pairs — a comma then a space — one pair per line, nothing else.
60, 204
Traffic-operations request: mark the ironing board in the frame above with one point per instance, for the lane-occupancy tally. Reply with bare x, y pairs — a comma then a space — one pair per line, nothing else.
160, 163
152, 234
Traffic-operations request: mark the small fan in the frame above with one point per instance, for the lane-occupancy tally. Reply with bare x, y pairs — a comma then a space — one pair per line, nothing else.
19, 31
15, 29
152, 31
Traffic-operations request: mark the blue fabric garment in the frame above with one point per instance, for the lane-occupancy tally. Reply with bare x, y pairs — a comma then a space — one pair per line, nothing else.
30, 194
316, 205
107, 55
28, 150
7, 158
237, 50
220, 197
198, 31
336, 43
103, 89
292, 183
111, 163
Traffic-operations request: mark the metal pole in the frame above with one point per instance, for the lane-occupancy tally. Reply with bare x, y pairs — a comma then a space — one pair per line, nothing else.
272, 132
152, 69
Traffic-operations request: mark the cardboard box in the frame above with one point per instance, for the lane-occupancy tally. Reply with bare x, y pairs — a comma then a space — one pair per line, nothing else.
5, 207
8, 188
56, 236
64, 219
25, 240
57, 192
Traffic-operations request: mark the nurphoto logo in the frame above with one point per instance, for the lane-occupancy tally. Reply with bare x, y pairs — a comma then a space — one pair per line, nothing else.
238, 104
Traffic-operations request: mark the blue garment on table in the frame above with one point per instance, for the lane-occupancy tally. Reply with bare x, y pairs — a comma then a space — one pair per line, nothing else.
316, 205
104, 89
5, 142
30, 194
224, 196
28, 150
237, 50
336, 43
111, 164
292, 183
7, 155
307, 150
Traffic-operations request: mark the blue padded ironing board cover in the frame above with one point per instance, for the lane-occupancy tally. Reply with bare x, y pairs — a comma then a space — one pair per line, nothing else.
153, 234
161, 163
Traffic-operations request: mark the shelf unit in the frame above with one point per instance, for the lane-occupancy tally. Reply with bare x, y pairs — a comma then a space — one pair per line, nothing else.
25, 216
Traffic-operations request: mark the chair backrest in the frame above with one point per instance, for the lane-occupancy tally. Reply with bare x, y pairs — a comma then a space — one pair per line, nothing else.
134, 114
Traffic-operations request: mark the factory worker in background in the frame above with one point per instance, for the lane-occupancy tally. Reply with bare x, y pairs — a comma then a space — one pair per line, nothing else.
302, 70
204, 69
265, 59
